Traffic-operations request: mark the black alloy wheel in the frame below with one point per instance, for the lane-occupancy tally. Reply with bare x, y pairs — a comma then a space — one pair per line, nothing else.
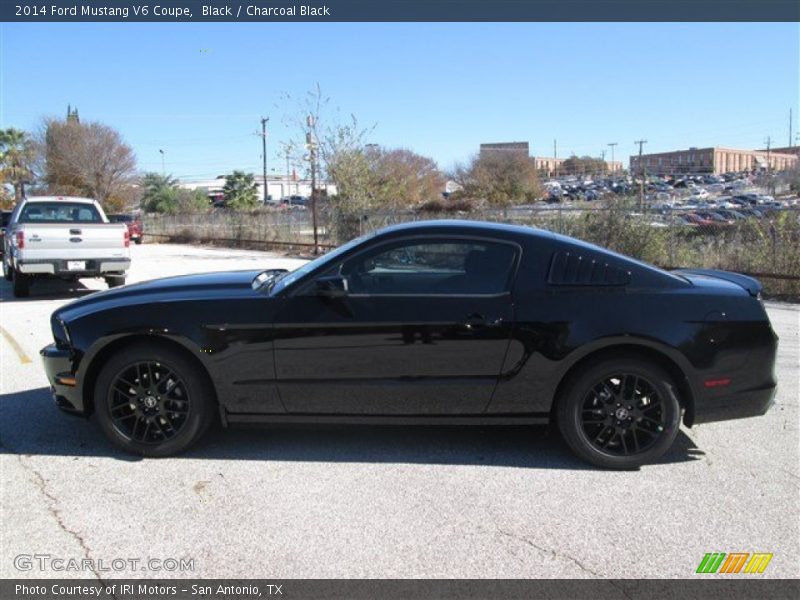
623, 414
148, 402
153, 399
619, 413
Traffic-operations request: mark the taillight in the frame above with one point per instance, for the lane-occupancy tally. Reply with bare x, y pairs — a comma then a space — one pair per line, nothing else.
20, 239
127, 238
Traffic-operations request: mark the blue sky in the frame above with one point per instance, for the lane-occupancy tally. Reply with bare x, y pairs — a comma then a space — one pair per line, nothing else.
198, 90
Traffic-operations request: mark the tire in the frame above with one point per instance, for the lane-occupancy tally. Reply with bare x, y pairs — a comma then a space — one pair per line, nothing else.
619, 413
21, 284
137, 241
169, 416
115, 280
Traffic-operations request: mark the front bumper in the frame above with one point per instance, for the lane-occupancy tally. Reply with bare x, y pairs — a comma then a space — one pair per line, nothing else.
58, 366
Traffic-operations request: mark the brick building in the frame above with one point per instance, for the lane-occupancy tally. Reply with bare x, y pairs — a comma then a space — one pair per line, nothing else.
550, 166
520, 148
713, 160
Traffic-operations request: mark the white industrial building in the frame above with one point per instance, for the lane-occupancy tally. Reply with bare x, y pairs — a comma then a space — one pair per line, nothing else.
278, 186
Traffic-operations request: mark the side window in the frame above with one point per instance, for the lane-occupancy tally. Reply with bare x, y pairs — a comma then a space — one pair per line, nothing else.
432, 267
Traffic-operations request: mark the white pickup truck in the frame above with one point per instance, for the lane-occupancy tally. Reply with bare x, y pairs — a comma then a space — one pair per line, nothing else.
64, 237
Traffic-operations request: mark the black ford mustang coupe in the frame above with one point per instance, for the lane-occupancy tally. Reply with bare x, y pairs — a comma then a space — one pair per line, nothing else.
435, 322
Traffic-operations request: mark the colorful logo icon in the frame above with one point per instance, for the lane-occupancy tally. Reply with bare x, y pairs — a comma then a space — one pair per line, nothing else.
736, 562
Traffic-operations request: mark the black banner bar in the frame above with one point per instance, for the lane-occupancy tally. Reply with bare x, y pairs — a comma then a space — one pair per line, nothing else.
702, 588
398, 10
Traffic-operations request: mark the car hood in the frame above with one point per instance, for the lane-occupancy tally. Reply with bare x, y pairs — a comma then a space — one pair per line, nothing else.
202, 286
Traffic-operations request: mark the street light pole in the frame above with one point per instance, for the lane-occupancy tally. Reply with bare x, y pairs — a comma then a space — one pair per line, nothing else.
612, 144
641, 173
264, 155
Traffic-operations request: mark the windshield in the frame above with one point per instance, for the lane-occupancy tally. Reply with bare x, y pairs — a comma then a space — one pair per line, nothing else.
59, 212
287, 279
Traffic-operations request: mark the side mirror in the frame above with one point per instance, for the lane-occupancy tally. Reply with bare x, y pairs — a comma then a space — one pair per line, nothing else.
331, 286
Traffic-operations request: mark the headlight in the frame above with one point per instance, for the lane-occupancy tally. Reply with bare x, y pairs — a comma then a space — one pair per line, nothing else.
61, 333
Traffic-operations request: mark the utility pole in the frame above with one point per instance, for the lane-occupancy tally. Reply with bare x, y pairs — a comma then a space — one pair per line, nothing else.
641, 173
612, 144
264, 121
288, 151
555, 157
311, 144
768, 142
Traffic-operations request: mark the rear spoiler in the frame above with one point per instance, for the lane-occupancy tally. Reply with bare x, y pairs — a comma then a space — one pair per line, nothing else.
752, 285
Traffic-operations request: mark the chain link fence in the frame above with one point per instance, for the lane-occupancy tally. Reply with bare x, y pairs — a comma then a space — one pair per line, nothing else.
762, 241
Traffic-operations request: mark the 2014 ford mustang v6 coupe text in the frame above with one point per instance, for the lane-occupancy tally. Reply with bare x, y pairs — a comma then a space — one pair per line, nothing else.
437, 322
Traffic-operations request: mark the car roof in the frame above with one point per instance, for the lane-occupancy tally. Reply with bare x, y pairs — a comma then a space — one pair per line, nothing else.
477, 228
59, 199
462, 226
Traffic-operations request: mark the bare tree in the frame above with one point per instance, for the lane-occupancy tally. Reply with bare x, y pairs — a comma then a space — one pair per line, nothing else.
401, 178
88, 159
500, 179
339, 144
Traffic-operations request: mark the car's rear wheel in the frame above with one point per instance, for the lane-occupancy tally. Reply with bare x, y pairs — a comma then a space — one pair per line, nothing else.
21, 283
153, 400
619, 413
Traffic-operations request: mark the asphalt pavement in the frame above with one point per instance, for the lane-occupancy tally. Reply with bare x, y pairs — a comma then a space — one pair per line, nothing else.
356, 501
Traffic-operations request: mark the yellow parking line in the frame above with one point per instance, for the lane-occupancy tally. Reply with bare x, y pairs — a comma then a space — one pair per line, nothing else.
23, 358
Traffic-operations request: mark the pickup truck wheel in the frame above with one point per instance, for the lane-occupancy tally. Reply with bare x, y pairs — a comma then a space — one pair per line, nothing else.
619, 413
115, 281
152, 400
22, 285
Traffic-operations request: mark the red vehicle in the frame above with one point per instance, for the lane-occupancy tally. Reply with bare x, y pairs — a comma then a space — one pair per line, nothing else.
699, 220
134, 223
5, 216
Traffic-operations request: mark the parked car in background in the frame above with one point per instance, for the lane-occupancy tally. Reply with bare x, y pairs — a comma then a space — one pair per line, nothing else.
64, 237
295, 201
134, 223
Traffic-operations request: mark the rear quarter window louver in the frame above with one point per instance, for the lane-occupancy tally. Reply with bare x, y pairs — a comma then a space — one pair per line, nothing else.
569, 268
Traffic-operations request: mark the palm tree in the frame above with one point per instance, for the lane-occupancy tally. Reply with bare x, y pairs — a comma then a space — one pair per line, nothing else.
240, 190
17, 154
158, 192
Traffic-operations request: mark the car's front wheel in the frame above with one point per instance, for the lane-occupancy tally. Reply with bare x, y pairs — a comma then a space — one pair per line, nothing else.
619, 413
153, 400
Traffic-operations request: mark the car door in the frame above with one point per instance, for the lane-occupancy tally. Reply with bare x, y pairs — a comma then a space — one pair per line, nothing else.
422, 330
